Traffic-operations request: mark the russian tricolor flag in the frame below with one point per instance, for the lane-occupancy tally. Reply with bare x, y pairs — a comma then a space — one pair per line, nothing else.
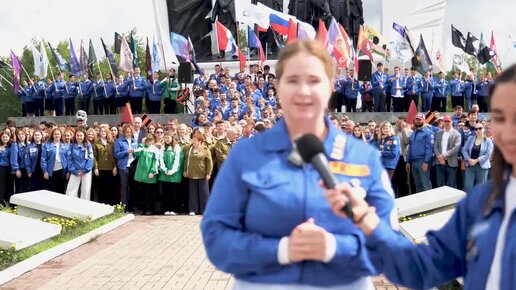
225, 39
279, 24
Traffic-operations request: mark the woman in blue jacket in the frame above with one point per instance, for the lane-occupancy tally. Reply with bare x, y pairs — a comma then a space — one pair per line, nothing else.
18, 149
124, 155
80, 163
33, 154
53, 162
479, 241
6, 180
266, 220
476, 154
389, 146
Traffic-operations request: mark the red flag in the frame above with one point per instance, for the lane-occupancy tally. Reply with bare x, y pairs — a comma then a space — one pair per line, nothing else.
127, 115
321, 32
292, 31
347, 45
242, 60
492, 48
411, 114
364, 44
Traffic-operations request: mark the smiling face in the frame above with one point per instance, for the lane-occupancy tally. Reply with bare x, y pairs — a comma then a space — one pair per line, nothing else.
304, 88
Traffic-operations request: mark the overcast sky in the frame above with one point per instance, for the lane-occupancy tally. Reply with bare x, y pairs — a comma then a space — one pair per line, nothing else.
55, 20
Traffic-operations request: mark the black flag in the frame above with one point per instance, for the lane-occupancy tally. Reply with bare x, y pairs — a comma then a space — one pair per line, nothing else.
118, 42
92, 58
421, 60
472, 44
458, 39
148, 61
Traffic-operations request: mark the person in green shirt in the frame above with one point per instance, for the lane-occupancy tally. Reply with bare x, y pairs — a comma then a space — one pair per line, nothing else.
146, 172
171, 173
171, 86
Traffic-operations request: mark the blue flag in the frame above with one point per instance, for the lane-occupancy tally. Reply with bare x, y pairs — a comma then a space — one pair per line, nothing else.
156, 59
111, 59
75, 66
180, 45
194, 60
60, 61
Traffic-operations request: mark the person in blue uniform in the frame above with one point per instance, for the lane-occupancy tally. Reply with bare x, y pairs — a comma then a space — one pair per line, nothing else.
39, 108
441, 91
85, 91
27, 94
136, 91
48, 90
33, 161
99, 95
6, 180
457, 87
72, 90
266, 221
397, 90
53, 162
379, 82
389, 145
122, 94
412, 88
58, 93
483, 87
351, 90
427, 92
478, 242
154, 91
109, 102
420, 153
18, 148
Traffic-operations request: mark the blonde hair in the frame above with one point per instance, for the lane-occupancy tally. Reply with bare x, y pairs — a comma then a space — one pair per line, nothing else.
311, 47
391, 130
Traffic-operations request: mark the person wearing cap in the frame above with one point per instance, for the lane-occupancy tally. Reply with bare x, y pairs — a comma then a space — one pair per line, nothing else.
447, 145
420, 153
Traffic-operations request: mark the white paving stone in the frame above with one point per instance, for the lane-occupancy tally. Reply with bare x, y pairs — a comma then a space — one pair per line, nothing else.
44, 203
23, 232
415, 230
428, 200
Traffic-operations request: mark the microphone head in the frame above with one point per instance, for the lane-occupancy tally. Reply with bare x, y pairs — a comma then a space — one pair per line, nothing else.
308, 146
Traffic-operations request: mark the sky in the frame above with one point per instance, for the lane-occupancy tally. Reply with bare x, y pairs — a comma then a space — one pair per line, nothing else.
56, 20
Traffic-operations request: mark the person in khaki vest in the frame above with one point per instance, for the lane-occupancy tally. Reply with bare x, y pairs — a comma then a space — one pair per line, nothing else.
223, 146
198, 168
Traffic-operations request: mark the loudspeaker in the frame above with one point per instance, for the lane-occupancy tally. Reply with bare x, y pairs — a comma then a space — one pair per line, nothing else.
185, 75
365, 70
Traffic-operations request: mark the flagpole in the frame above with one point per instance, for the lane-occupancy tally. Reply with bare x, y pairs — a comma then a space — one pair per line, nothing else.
102, 77
6, 80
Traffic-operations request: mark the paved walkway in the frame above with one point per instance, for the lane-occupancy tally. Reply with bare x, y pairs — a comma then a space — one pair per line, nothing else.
155, 252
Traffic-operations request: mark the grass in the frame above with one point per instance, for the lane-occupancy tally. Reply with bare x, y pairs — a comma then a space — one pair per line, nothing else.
71, 229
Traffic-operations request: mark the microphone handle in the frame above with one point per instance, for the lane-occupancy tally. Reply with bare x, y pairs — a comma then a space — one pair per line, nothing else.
320, 163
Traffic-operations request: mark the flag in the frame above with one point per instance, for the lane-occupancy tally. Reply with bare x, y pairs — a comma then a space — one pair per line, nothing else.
156, 56
193, 57
225, 39
337, 43
305, 30
429, 117
292, 31
111, 59
484, 53
17, 67
127, 114
364, 44
254, 42
421, 60
408, 38
134, 50
398, 46
74, 62
279, 23
180, 45
322, 32
277, 38
242, 60
62, 65
458, 39
460, 63
148, 61
92, 58
412, 111
118, 42
146, 121
472, 45
495, 61
126, 57
44, 61
83, 61
379, 44
36, 55
440, 60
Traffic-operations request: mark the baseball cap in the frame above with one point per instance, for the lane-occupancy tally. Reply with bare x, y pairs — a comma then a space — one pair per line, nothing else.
446, 118
420, 116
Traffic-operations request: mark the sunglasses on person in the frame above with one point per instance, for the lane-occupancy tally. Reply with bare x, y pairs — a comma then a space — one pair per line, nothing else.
159, 132
479, 128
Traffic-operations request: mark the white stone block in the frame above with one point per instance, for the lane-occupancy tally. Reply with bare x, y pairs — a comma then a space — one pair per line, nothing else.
44, 203
428, 200
415, 230
23, 232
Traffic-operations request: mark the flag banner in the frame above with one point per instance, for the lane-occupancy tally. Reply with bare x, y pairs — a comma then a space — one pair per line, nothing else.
44, 61
118, 42
305, 30
495, 60
277, 38
337, 43
412, 111
421, 60
472, 45
242, 60
156, 56
62, 64
127, 114
398, 45
16, 65
36, 55
364, 45
168, 58
440, 60
92, 58
180, 46
292, 31
409, 39
377, 40
322, 32
111, 59
225, 39
254, 42
460, 63
458, 39
74, 62
83, 61
126, 57
279, 23
193, 57
148, 61
134, 50
146, 120
484, 54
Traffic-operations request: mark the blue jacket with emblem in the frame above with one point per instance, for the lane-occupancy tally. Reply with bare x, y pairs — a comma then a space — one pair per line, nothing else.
421, 145
259, 197
48, 157
351, 88
31, 157
154, 91
59, 89
464, 247
136, 87
5, 156
85, 89
457, 87
427, 88
390, 151
413, 86
120, 151
72, 90
441, 88
79, 158
379, 82
18, 156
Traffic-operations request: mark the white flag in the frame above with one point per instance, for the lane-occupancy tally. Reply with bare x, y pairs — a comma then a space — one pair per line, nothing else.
36, 55
460, 62
398, 46
44, 61
126, 56
164, 45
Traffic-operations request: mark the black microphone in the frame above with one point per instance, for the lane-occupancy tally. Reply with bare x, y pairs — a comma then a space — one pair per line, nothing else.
311, 150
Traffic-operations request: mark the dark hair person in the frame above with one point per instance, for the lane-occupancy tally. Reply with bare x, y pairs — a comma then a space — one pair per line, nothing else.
267, 221
479, 241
